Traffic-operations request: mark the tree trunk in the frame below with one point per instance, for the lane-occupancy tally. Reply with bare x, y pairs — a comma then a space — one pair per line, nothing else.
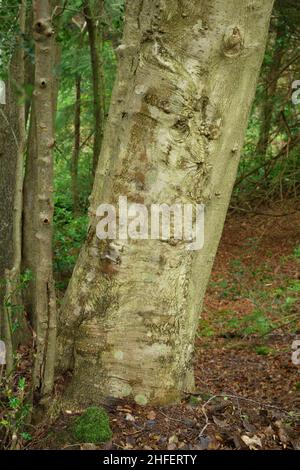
8, 163
270, 92
19, 176
93, 11
30, 204
29, 261
13, 138
187, 77
76, 150
44, 300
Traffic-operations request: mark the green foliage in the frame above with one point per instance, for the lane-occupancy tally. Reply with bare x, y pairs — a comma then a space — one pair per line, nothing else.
115, 14
16, 293
262, 350
70, 233
229, 323
14, 411
194, 401
297, 386
9, 32
206, 329
14, 408
93, 426
226, 289
256, 322
70, 228
265, 174
296, 252
272, 307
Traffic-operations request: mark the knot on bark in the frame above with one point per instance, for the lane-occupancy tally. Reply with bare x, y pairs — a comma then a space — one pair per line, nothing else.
124, 50
43, 83
233, 42
43, 29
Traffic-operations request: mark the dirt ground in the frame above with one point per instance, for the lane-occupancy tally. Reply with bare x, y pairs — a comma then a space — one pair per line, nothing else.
247, 388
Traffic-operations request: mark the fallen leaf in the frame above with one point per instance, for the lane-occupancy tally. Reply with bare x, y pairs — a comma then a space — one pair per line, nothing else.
173, 439
296, 444
248, 426
204, 443
219, 422
129, 417
252, 442
151, 415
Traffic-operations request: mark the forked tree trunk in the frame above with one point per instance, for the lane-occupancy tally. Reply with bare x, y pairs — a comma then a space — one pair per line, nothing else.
187, 77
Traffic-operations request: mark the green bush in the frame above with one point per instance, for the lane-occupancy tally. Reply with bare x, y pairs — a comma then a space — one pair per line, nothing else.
92, 426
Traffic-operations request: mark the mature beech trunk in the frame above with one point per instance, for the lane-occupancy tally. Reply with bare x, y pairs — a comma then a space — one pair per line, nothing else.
187, 77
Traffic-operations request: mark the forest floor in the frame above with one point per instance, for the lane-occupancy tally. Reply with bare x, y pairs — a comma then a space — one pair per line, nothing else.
247, 387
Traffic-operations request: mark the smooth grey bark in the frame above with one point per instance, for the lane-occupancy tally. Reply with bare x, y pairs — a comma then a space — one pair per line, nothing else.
186, 82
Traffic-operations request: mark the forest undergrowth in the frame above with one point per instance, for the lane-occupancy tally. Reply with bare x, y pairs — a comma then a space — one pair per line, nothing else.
247, 388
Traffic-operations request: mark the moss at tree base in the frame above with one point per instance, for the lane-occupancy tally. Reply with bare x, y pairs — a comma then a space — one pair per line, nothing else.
92, 426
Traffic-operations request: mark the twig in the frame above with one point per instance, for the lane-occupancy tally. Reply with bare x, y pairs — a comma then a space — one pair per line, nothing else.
205, 414
289, 145
170, 417
235, 397
70, 445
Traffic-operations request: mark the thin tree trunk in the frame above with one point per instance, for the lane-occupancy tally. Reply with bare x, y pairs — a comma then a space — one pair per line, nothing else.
76, 150
29, 188
30, 259
93, 11
271, 87
8, 164
13, 121
44, 301
187, 77
29, 66
7, 323
18, 198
